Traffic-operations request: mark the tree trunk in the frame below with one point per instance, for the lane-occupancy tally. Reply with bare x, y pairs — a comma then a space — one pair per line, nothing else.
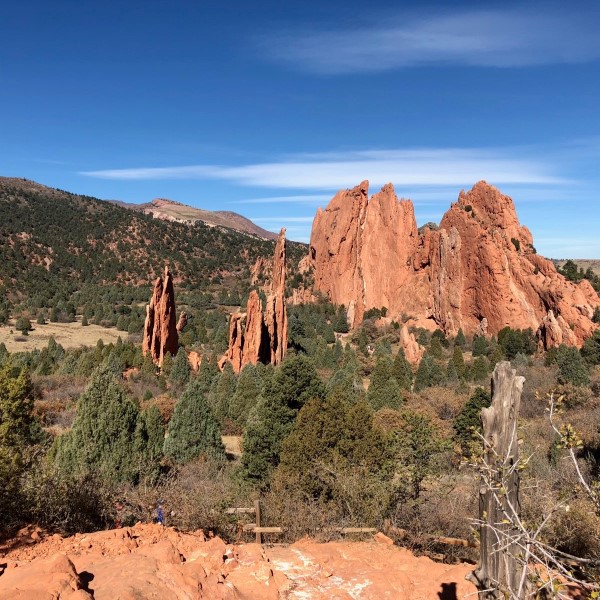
499, 575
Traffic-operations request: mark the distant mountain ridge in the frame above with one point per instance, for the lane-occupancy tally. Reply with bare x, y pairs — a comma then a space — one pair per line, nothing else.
171, 210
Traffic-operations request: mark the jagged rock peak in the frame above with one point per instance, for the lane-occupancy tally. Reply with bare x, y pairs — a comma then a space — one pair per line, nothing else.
257, 336
479, 267
160, 326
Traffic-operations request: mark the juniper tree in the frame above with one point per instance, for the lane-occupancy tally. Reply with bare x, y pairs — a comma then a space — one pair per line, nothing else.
246, 394
193, 429
181, 370
384, 390
222, 390
294, 383
429, 373
402, 370
101, 440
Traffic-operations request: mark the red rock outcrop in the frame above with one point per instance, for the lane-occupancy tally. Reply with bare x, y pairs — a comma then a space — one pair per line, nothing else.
160, 327
151, 561
257, 336
478, 271
183, 319
413, 351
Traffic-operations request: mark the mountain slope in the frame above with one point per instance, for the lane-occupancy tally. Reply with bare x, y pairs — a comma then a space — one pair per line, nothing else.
169, 210
53, 240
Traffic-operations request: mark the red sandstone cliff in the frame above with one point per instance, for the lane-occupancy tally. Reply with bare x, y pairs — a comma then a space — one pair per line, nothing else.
255, 336
480, 264
160, 327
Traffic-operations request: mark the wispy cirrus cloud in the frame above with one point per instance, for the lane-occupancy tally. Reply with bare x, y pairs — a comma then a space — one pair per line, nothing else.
404, 167
511, 37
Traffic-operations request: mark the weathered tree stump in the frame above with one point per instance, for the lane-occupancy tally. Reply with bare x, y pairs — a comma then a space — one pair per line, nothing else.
500, 574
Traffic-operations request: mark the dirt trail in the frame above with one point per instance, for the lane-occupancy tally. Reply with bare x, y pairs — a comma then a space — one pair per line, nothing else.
149, 561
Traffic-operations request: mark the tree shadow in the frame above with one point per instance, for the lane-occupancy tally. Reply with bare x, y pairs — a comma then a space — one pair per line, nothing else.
448, 591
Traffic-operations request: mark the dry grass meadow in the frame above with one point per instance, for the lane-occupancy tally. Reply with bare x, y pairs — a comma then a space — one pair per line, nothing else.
68, 335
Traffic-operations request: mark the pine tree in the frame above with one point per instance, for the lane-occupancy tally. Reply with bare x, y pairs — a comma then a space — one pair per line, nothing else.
246, 395
101, 440
384, 390
435, 347
329, 432
480, 346
428, 374
402, 371
480, 369
571, 366
340, 323
459, 363
222, 390
149, 438
181, 370
193, 429
292, 385
468, 421
17, 429
460, 339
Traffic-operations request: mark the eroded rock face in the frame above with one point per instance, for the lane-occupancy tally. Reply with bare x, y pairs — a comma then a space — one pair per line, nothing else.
257, 335
160, 327
478, 271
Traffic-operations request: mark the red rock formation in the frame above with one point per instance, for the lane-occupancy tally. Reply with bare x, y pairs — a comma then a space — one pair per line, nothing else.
160, 327
183, 319
152, 561
413, 351
255, 336
195, 360
478, 271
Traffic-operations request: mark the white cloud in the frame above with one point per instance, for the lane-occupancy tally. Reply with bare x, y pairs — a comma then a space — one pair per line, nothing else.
511, 37
406, 167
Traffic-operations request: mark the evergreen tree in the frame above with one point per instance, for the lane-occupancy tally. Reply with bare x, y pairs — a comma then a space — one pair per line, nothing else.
591, 349
181, 371
329, 335
480, 369
460, 339
451, 372
480, 346
193, 429
363, 341
459, 363
293, 384
101, 440
428, 374
17, 430
571, 366
246, 395
84, 321
347, 383
340, 323
330, 434
402, 370
149, 438
384, 390
222, 390
468, 421
435, 347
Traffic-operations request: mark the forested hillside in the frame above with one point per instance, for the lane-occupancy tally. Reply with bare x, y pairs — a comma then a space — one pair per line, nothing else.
54, 243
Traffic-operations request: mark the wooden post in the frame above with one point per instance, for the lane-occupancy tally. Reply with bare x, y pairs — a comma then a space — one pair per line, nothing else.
257, 511
499, 574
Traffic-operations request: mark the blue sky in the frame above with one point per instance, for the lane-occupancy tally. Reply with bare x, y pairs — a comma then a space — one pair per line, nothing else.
267, 108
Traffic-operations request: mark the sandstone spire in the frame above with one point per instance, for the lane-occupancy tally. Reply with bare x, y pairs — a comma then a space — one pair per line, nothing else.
160, 327
257, 336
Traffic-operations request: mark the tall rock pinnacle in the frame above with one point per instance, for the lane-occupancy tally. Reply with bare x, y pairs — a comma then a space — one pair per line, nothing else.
160, 327
257, 336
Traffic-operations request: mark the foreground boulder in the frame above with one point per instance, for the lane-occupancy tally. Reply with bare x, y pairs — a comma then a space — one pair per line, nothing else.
478, 271
257, 335
160, 326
